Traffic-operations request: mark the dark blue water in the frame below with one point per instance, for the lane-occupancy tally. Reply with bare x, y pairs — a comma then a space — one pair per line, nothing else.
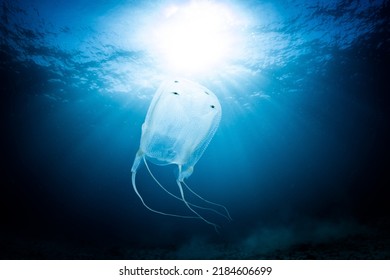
300, 159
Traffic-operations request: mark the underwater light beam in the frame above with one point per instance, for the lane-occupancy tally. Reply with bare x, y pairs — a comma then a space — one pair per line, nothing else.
194, 38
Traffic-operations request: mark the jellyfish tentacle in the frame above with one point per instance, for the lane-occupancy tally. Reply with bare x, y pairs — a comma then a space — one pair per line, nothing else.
133, 176
179, 198
227, 216
189, 207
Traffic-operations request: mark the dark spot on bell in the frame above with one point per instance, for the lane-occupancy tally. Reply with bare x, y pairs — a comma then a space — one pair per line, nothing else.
176, 81
212, 106
207, 93
175, 93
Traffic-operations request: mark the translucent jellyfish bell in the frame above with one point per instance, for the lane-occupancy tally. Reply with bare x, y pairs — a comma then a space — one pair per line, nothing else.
181, 121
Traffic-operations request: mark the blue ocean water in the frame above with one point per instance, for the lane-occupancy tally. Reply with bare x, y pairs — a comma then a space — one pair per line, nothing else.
300, 158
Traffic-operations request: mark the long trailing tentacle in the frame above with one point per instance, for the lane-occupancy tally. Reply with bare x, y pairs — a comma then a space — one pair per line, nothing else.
227, 216
151, 209
179, 198
189, 207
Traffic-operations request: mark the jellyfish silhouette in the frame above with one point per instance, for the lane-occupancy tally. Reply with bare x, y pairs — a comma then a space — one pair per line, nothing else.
181, 121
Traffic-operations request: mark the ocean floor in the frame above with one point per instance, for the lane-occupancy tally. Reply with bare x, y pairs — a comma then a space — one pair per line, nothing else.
372, 244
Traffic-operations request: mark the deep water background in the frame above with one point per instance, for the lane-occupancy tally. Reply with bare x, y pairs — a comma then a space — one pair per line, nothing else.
301, 158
